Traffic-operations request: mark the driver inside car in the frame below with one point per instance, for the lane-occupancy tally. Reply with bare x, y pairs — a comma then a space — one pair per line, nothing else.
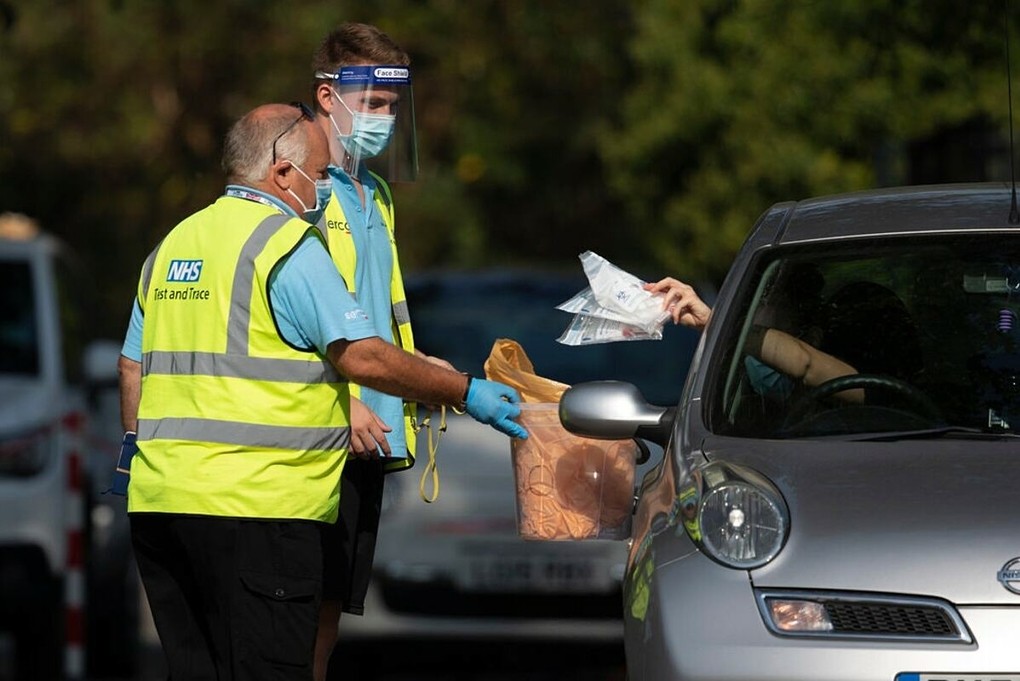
780, 347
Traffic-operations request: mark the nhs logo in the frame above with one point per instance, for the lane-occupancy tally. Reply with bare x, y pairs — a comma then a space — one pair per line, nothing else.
184, 270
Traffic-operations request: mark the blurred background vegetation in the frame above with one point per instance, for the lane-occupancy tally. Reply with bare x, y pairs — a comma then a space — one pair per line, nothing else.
653, 132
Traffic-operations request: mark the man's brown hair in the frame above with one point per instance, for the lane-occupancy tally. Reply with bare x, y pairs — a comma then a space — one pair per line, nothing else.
352, 44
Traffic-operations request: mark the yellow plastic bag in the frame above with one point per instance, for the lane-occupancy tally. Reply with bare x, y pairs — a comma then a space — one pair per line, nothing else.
568, 487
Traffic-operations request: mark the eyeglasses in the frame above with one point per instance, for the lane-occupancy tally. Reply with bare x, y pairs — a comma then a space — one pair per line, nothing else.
306, 114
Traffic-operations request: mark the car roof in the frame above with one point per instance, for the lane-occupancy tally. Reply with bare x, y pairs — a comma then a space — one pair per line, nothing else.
900, 210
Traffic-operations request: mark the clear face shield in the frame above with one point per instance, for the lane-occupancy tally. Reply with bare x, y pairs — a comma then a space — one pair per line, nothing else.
373, 121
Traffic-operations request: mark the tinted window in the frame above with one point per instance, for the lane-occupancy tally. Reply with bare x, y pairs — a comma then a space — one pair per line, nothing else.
458, 317
18, 325
933, 319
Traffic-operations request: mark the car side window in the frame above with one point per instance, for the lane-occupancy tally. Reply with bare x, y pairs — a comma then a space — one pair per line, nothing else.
19, 351
924, 335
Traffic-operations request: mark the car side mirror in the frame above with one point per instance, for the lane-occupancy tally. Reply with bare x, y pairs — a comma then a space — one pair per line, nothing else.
614, 410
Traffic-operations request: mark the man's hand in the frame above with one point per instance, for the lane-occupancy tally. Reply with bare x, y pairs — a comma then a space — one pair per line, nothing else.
122, 473
495, 404
437, 361
368, 432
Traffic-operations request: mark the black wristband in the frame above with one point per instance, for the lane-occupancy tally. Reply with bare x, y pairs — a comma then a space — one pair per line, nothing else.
467, 389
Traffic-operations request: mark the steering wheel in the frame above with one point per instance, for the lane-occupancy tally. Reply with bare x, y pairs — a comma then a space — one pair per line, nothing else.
919, 401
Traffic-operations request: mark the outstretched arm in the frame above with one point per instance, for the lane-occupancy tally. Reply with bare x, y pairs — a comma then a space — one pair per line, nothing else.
683, 303
377, 364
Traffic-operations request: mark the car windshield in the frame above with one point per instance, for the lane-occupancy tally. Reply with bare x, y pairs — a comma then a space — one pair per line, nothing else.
929, 325
458, 317
18, 346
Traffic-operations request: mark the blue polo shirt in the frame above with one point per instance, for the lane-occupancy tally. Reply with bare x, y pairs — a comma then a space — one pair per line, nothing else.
305, 291
372, 276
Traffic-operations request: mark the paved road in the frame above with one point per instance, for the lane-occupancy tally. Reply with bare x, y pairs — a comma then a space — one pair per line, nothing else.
442, 661
456, 662
477, 661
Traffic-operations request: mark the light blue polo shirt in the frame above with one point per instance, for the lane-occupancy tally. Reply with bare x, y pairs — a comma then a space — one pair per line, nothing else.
372, 276
310, 300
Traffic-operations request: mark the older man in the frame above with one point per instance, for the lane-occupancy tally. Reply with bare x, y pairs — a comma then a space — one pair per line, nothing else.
234, 376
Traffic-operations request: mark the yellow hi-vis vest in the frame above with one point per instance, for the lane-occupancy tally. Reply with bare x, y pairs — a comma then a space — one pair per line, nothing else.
341, 249
233, 421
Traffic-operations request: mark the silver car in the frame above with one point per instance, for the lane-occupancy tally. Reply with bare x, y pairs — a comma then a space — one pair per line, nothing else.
457, 569
791, 532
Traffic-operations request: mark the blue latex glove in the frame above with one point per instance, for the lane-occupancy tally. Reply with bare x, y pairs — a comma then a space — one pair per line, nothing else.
122, 474
495, 404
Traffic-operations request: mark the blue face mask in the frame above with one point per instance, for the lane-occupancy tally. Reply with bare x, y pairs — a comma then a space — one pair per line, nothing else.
323, 192
766, 381
370, 133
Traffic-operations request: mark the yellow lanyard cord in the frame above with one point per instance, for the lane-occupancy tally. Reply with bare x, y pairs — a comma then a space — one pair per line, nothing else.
431, 469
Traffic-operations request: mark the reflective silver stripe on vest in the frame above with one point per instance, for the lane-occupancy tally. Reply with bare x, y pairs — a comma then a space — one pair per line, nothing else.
299, 438
239, 366
400, 312
237, 362
147, 274
244, 278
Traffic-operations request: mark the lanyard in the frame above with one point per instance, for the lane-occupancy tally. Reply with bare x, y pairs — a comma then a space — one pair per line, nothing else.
431, 468
239, 193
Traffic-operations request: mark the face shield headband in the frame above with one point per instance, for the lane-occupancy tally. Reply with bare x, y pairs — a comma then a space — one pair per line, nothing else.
373, 121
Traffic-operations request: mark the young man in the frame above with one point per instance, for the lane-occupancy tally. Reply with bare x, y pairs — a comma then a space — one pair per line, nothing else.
363, 102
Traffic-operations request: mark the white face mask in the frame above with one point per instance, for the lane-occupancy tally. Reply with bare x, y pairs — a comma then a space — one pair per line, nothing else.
323, 190
370, 133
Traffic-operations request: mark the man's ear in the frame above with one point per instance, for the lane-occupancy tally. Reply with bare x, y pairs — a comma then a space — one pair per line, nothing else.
281, 175
324, 97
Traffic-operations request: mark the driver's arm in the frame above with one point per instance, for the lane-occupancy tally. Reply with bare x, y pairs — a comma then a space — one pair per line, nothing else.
799, 360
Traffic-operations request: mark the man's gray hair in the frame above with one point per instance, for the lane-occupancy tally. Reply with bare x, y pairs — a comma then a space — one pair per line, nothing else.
248, 149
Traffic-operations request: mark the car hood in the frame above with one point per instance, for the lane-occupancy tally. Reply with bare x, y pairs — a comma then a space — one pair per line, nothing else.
909, 517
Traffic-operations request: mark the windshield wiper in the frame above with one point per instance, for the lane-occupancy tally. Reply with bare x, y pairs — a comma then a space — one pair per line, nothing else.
944, 432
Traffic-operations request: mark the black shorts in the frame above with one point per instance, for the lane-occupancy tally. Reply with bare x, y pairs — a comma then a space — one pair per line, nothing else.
349, 544
231, 598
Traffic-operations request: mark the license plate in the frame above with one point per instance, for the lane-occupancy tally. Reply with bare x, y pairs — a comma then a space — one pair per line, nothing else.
957, 676
534, 573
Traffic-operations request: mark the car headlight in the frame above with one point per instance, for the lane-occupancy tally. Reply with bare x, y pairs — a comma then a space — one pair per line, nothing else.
742, 519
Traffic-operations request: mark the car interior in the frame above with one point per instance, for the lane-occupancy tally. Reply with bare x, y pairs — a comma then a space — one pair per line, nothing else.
931, 329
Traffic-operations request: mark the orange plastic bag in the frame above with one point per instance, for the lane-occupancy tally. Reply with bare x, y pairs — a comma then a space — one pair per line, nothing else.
568, 487
508, 363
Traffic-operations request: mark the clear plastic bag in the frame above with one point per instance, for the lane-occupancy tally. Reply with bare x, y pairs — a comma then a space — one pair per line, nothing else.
568, 487
623, 293
615, 307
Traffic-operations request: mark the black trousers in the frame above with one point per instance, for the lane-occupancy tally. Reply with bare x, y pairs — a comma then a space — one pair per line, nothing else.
231, 599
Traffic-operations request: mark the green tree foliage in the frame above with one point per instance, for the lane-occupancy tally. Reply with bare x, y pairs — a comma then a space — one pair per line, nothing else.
737, 105
650, 131
512, 94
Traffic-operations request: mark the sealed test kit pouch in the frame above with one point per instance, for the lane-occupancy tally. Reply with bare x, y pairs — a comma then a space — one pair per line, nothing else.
568, 487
